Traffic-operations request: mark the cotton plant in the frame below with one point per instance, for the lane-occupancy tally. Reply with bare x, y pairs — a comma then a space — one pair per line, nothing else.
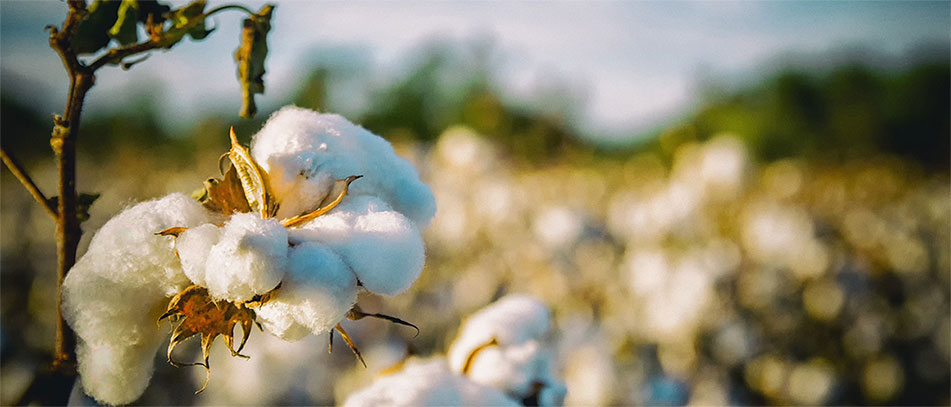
499, 358
315, 211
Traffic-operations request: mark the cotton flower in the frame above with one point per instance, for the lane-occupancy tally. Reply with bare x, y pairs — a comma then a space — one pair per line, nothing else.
245, 254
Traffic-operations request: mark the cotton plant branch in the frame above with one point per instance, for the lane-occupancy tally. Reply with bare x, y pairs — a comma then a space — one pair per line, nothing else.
88, 29
17, 170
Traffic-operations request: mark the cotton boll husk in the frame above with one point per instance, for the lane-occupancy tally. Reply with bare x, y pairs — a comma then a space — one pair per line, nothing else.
193, 246
249, 259
316, 293
511, 320
427, 383
303, 152
382, 247
114, 292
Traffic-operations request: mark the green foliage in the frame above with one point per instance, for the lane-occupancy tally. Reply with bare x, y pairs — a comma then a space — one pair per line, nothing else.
851, 112
93, 32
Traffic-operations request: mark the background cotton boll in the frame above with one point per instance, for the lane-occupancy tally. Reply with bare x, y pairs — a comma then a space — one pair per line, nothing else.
193, 246
511, 369
248, 260
382, 247
317, 291
298, 141
511, 320
427, 383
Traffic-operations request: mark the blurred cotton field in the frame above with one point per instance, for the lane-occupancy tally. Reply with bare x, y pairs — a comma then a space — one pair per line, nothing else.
708, 278
691, 203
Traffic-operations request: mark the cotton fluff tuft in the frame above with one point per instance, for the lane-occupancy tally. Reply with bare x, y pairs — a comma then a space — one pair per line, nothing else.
303, 152
520, 361
248, 260
382, 247
116, 290
315, 295
427, 383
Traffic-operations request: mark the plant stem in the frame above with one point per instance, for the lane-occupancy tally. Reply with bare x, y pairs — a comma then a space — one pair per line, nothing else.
63, 142
27, 182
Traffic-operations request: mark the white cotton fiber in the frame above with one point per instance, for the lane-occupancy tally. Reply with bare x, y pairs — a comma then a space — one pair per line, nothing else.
427, 383
116, 290
316, 294
193, 246
248, 260
519, 362
303, 152
382, 247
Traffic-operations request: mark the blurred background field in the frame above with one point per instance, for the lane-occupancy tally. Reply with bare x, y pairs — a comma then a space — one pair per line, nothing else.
779, 235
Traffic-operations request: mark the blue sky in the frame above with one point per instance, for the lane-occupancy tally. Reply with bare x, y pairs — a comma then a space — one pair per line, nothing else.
636, 62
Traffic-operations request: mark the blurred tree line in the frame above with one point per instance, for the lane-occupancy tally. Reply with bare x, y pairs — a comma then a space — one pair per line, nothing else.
851, 111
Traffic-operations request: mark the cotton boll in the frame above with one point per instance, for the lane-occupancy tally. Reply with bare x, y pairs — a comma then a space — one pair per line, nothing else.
511, 320
301, 150
382, 247
518, 362
112, 293
193, 246
316, 293
427, 383
512, 369
128, 271
249, 259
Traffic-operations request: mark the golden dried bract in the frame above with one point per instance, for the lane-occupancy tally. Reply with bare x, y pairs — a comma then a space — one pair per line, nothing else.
252, 179
225, 195
198, 314
340, 187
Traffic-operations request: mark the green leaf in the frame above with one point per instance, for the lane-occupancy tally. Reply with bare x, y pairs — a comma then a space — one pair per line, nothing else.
186, 20
124, 29
93, 31
250, 57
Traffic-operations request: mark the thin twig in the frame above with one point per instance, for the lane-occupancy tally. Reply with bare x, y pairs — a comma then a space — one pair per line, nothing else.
27, 182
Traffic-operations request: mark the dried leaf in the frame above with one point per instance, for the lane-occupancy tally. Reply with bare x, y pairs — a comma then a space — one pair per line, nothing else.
343, 185
250, 57
253, 182
356, 314
198, 314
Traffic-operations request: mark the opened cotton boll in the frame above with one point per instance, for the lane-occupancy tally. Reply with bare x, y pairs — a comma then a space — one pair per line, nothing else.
427, 383
502, 346
302, 151
316, 294
116, 290
382, 247
511, 320
249, 260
